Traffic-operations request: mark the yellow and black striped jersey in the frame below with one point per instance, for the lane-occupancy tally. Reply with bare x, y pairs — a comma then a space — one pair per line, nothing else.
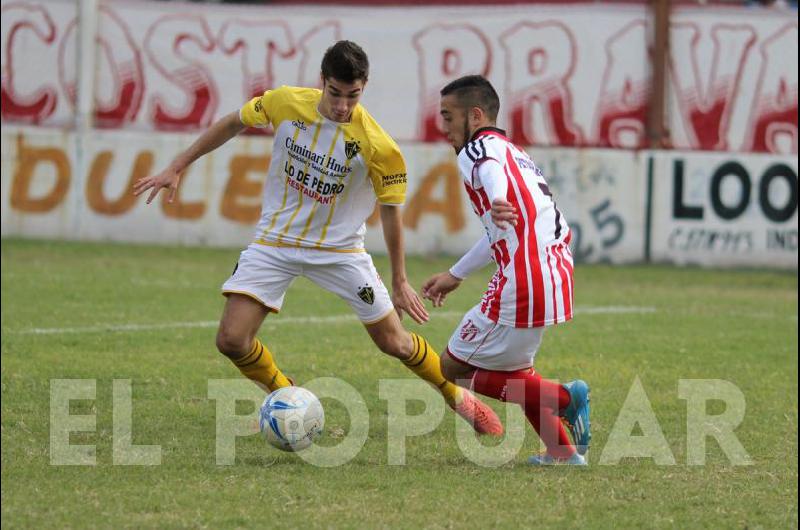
324, 176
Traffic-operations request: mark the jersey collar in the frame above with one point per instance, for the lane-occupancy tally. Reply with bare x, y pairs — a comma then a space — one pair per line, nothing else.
483, 131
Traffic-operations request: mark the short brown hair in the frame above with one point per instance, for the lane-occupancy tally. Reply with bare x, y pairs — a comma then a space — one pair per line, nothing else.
345, 61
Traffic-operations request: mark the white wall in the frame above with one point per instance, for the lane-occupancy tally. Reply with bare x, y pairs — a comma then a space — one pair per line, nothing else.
623, 206
568, 75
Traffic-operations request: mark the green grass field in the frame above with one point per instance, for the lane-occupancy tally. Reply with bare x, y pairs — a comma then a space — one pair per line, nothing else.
65, 308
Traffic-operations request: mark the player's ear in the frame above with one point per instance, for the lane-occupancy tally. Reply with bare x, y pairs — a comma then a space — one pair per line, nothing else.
475, 115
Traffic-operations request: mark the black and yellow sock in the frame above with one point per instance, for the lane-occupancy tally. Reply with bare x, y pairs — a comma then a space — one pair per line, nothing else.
424, 362
259, 366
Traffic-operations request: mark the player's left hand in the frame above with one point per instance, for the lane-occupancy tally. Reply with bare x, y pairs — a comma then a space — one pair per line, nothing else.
405, 298
503, 213
437, 287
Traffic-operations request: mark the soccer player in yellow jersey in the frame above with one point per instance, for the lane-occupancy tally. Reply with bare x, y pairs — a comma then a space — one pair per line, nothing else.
330, 162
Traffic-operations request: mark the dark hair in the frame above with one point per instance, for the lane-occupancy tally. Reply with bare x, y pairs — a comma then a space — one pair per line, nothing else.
474, 91
345, 61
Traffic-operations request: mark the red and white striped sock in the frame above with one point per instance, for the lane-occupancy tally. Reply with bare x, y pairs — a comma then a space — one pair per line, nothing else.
540, 399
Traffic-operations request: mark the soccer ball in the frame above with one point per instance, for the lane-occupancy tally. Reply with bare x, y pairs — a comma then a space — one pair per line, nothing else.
291, 418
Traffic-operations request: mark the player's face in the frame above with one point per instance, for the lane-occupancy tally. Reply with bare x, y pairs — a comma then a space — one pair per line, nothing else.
340, 98
455, 124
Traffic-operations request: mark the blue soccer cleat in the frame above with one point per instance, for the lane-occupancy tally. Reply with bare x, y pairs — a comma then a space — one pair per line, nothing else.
576, 414
545, 459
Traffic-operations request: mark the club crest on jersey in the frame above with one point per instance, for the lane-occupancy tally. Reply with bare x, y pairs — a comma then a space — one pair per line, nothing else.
367, 294
468, 331
351, 149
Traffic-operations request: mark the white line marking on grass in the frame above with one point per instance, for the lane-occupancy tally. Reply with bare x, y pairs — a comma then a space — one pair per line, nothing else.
613, 310
120, 327
167, 284
280, 321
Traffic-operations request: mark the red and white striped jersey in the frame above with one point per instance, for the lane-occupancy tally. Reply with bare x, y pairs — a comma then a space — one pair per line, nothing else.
533, 285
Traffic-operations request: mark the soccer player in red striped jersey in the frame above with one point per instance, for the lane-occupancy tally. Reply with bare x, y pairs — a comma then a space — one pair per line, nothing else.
494, 347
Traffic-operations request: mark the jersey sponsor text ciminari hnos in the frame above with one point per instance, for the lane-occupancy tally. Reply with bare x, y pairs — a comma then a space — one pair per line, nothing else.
324, 176
534, 280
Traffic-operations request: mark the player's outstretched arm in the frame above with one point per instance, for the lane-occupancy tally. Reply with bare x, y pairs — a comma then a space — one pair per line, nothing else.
438, 286
216, 135
404, 297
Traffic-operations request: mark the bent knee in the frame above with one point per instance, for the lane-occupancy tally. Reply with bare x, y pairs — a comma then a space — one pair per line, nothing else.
445, 365
233, 345
454, 371
396, 344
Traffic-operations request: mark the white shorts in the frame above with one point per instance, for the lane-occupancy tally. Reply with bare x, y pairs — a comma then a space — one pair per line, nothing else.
265, 273
481, 343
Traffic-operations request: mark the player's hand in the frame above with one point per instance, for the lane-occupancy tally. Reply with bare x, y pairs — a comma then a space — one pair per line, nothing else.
405, 298
169, 179
503, 213
437, 287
